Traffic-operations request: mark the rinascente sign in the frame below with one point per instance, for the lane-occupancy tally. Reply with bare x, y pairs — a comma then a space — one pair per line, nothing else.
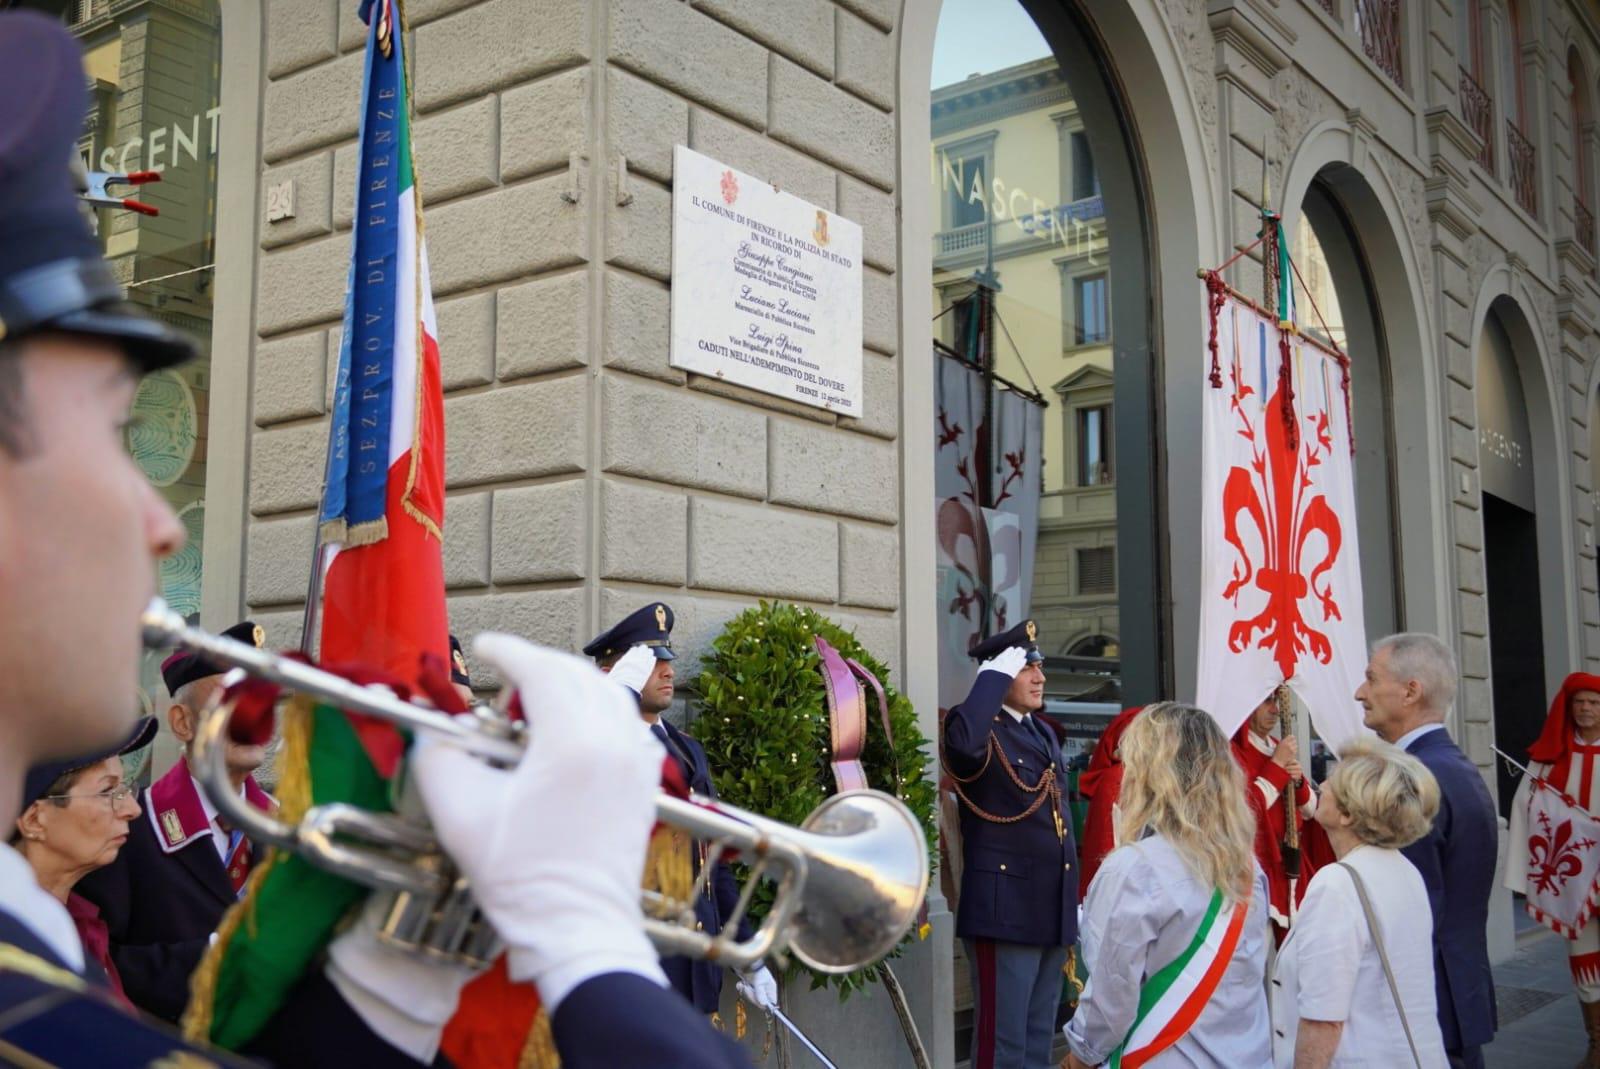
766, 288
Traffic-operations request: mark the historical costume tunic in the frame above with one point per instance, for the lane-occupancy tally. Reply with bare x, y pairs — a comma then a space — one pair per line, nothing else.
1141, 914
1562, 759
1266, 781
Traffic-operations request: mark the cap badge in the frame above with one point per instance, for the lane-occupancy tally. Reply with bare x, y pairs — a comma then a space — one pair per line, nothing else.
461, 662
172, 826
258, 636
661, 617
1033, 631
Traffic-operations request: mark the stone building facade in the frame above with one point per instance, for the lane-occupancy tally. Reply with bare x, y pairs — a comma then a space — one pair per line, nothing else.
1449, 145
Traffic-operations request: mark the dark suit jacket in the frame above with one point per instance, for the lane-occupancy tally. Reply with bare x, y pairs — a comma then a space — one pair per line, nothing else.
1456, 860
1019, 883
701, 981
160, 910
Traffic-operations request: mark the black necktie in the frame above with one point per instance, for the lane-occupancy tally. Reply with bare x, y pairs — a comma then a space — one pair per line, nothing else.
659, 731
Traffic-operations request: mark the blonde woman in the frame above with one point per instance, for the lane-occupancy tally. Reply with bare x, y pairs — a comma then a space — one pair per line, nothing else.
1175, 929
1333, 1003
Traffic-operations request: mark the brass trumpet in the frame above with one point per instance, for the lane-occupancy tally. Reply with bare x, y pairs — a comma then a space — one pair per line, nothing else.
851, 878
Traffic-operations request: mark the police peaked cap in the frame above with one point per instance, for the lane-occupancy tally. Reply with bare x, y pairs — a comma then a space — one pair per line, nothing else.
1025, 634
458, 664
53, 276
650, 626
185, 667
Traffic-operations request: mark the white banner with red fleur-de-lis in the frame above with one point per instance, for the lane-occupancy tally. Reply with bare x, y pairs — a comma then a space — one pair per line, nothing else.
1555, 856
1280, 585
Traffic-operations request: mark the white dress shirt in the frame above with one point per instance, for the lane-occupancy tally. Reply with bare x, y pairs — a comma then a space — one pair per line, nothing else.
38, 909
1416, 733
219, 838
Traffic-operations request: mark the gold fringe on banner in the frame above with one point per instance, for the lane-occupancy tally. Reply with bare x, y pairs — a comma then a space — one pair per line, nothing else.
294, 798
666, 864
540, 1051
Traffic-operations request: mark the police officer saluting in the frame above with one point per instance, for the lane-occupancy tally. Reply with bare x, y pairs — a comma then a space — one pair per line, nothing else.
81, 531
1019, 889
637, 653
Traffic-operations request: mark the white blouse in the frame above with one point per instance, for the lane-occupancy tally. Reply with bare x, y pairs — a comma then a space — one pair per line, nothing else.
1143, 910
1328, 968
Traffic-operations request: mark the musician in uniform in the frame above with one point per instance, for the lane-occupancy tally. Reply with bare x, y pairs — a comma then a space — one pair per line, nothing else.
1018, 911
1271, 765
183, 864
1566, 756
81, 532
637, 652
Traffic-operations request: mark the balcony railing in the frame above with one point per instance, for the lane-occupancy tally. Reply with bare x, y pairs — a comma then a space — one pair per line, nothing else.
1522, 168
1063, 224
1379, 22
1583, 224
1477, 111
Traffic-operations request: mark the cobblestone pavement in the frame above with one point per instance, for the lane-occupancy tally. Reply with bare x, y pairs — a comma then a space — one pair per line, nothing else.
1540, 1027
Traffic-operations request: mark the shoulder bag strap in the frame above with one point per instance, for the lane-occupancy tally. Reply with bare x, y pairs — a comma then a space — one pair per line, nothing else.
1383, 956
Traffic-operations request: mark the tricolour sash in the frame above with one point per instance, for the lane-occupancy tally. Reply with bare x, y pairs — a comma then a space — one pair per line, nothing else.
1172, 1000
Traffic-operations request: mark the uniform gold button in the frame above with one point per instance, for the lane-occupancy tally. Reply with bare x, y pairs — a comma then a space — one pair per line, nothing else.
1002, 868
1067, 867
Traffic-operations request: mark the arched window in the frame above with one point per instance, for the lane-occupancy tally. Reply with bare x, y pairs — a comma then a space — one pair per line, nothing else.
1477, 107
1578, 119
1521, 160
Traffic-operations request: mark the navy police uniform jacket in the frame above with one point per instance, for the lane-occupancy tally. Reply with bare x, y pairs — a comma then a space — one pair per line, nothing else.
1456, 859
1019, 882
701, 981
164, 894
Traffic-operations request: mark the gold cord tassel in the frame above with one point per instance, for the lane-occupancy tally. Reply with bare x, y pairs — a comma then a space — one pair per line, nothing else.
666, 864
294, 798
540, 1050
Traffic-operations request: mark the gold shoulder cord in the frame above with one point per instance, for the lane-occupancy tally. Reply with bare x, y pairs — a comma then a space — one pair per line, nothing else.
1046, 787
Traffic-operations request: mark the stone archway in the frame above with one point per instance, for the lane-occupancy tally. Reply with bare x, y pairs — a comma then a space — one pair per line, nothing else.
1333, 157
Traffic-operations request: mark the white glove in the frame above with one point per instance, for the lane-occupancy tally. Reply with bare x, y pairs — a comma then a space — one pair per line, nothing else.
759, 988
554, 848
1010, 660
633, 669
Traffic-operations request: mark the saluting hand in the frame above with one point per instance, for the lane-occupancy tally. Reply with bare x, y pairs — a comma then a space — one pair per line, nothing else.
633, 669
1010, 660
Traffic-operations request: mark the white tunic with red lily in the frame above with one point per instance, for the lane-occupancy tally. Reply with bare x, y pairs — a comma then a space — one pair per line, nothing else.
1581, 786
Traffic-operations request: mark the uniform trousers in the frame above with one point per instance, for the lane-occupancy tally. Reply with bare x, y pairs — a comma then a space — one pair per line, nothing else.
1015, 991
1466, 1058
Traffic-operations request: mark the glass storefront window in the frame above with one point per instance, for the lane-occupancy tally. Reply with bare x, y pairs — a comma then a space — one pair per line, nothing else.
154, 74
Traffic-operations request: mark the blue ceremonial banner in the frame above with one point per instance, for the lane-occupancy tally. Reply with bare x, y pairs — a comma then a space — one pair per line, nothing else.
354, 500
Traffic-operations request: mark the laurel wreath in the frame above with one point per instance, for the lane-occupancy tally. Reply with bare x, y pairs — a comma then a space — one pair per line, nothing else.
763, 719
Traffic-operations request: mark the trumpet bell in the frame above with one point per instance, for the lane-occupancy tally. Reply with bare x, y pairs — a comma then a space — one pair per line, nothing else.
866, 875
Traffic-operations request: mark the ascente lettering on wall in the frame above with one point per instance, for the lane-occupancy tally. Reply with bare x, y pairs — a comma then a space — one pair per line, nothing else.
166, 146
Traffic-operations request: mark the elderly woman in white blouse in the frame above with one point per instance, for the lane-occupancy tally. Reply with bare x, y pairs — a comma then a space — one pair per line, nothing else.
1174, 929
1353, 982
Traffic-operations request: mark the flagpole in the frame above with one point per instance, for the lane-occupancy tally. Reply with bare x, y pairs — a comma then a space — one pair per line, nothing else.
1540, 781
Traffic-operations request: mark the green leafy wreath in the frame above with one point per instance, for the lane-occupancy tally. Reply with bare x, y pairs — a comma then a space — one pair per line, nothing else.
763, 720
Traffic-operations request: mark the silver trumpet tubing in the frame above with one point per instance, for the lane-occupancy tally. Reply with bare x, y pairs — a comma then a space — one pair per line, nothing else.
850, 879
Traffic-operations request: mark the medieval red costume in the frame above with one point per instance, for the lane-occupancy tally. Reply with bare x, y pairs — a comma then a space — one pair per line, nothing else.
1562, 759
1265, 782
1100, 783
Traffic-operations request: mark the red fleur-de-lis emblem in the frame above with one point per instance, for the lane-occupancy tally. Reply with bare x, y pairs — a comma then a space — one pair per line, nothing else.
1276, 496
1554, 857
730, 188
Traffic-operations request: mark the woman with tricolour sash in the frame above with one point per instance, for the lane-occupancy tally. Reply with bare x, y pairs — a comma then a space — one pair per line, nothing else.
1175, 929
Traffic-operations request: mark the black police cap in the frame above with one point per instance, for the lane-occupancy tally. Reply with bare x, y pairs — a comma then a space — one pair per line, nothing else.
650, 626
185, 667
1025, 634
458, 664
52, 274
